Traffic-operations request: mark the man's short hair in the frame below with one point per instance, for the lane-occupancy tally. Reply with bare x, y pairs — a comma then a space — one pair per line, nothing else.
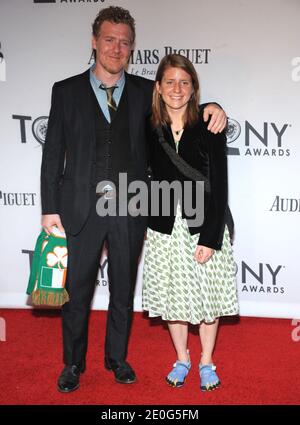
116, 15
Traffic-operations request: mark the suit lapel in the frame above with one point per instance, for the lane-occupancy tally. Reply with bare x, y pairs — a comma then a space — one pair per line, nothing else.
134, 96
86, 106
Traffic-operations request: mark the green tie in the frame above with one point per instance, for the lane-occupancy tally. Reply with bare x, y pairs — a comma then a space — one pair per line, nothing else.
112, 107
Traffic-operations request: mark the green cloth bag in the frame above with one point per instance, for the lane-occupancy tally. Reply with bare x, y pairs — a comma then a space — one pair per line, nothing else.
48, 270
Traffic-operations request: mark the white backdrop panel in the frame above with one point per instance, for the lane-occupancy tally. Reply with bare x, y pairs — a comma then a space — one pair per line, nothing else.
248, 60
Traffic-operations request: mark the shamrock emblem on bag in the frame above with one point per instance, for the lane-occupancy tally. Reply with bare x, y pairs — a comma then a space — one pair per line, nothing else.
59, 256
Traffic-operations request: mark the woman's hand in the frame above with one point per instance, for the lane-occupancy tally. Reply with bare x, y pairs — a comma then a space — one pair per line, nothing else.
203, 254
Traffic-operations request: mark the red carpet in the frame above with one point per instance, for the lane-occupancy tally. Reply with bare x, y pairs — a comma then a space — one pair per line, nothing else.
258, 363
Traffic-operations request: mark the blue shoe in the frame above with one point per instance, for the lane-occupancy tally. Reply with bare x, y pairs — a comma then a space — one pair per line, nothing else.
178, 374
209, 378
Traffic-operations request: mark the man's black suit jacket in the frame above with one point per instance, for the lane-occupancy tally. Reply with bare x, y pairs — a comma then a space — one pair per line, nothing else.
69, 156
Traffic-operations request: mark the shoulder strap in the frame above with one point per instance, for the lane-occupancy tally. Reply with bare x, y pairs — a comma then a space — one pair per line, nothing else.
180, 163
192, 174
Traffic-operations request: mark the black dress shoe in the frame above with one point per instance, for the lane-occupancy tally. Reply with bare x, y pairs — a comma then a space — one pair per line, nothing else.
69, 379
124, 374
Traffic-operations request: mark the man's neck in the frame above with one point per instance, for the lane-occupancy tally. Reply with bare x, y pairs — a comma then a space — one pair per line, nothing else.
106, 77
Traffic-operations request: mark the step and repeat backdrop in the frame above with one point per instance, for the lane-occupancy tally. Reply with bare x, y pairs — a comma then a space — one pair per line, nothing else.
247, 56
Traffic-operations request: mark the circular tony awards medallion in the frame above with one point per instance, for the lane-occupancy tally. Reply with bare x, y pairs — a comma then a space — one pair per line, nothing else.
39, 129
233, 130
236, 268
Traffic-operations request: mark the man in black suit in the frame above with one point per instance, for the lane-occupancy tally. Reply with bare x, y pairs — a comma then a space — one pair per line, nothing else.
96, 130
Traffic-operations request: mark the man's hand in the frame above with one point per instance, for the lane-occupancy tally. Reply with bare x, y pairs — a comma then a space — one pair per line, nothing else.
218, 118
50, 220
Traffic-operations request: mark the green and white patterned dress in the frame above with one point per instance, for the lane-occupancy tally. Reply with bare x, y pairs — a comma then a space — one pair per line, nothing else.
177, 287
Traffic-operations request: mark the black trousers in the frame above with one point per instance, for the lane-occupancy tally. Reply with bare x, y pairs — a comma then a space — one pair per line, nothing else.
124, 237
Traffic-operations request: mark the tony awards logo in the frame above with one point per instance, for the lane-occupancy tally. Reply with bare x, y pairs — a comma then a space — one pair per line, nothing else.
2, 66
232, 133
39, 129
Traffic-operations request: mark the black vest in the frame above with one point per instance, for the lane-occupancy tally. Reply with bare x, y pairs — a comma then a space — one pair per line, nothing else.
113, 148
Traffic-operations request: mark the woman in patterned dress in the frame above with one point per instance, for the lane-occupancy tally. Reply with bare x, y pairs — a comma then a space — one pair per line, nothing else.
189, 271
